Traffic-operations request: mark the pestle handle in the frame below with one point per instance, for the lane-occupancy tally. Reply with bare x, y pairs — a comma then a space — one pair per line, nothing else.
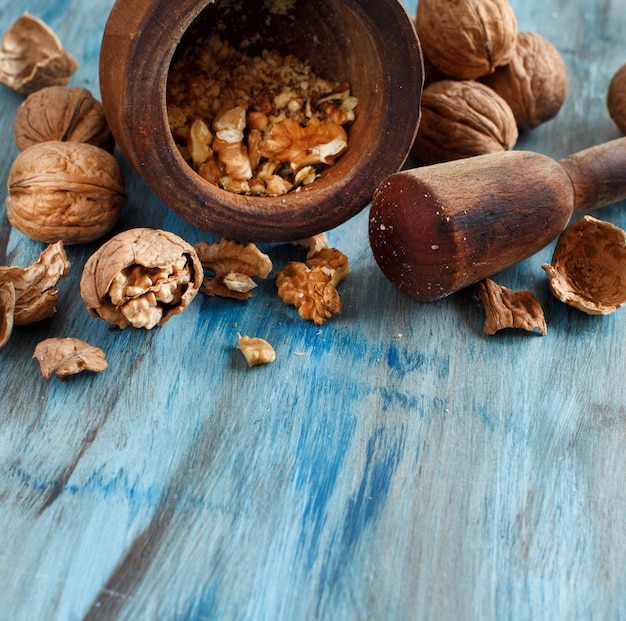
598, 174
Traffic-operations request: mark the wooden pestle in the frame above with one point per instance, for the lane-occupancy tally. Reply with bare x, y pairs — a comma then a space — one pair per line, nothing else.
437, 229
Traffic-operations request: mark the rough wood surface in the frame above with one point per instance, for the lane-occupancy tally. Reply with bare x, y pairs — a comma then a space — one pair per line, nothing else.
393, 464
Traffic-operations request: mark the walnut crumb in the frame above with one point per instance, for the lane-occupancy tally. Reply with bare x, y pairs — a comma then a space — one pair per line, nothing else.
506, 308
255, 350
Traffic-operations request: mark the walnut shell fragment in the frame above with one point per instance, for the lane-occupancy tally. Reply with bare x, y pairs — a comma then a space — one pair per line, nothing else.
588, 267
7, 307
255, 350
534, 83
141, 277
234, 266
506, 308
466, 39
35, 286
461, 119
61, 113
66, 191
32, 57
616, 99
65, 357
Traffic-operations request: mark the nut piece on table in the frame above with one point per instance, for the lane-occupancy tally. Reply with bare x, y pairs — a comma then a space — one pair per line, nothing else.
234, 266
616, 99
255, 350
62, 113
466, 39
461, 119
68, 191
7, 306
141, 277
64, 357
310, 286
32, 57
506, 308
534, 83
35, 292
588, 267
314, 244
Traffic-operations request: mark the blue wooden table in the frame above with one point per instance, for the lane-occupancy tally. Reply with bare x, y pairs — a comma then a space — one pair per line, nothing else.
394, 463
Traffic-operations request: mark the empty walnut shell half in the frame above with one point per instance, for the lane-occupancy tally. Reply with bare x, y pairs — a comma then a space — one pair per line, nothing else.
32, 57
67, 191
62, 113
461, 119
141, 277
616, 99
466, 39
588, 268
534, 83
67, 356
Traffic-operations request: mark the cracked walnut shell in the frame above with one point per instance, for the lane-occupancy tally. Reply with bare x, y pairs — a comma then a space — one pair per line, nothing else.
32, 57
534, 83
616, 99
61, 113
65, 357
466, 39
66, 191
141, 277
461, 119
588, 267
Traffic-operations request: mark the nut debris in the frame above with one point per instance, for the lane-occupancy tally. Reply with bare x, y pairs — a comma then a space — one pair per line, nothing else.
7, 306
506, 308
255, 350
588, 267
64, 357
32, 57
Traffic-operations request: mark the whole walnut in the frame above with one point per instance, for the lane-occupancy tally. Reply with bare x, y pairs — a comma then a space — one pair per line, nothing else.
616, 99
461, 119
534, 83
62, 113
466, 39
67, 191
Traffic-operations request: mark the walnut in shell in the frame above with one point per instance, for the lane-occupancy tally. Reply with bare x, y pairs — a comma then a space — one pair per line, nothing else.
62, 113
461, 119
32, 57
35, 287
141, 277
505, 308
534, 83
616, 99
588, 267
65, 357
66, 191
466, 39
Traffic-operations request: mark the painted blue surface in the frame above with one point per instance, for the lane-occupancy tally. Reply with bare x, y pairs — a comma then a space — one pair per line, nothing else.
393, 464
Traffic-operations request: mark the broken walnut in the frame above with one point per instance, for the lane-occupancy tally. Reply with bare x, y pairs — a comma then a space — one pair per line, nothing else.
506, 308
64, 357
234, 265
61, 113
588, 267
141, 277
616, 98
35, 292
32, 57
68, 191
7, 308
255, 350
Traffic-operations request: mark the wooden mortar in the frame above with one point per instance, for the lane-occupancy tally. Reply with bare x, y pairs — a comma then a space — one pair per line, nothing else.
437, 229
371, 44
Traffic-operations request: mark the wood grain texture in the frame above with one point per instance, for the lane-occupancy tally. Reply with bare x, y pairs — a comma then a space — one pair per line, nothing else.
393, 464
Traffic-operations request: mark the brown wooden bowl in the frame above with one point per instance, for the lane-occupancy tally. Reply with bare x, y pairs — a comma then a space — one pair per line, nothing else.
371, 44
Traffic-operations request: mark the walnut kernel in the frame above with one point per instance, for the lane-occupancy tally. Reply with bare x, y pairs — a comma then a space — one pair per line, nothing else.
61, 113
66, 191
616, 98
588, 267
32, 57
255, 350
506, 308
141, 277
466, 39
461, 119
64, 357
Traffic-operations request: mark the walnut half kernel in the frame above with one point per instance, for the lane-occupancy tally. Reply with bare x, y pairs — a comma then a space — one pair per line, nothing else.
141, 277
